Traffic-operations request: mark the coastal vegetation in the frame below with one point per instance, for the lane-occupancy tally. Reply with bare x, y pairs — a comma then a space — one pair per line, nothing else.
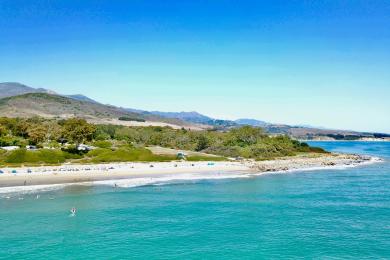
18, 100
51, 141
126, 118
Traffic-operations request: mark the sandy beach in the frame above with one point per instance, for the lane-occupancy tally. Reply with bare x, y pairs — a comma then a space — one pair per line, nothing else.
68, 173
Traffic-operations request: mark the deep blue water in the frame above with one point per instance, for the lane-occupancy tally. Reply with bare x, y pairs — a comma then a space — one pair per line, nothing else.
332, 214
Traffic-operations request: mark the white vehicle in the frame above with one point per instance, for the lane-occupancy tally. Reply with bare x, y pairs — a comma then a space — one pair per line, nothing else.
10, 148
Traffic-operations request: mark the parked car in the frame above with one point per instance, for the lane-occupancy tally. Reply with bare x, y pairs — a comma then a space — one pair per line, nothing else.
31, 147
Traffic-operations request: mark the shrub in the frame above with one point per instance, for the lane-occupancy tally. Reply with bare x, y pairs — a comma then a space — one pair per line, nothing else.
102, 144
226, 151
17, 156
72, 149
98, 151
126, 118
10, 141
123, 155
42, 156
317, 150
53, 144
50, 156
69, 156
196, 158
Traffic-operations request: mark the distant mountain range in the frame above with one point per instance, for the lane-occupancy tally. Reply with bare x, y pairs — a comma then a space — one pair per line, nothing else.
252, 122
9, 89
190, 117
80, 97
18, 100
193, 116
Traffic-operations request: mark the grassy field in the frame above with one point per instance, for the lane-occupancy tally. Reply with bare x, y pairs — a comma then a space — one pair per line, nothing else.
44, 156
197, 158
102, 155
171, 151
105, 154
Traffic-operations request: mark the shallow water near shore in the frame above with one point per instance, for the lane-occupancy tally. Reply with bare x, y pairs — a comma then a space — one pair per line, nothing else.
335, 213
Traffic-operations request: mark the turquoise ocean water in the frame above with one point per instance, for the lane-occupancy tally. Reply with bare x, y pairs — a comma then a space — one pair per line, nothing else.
331, 214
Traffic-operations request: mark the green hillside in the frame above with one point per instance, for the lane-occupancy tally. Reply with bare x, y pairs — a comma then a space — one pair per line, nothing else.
56, 106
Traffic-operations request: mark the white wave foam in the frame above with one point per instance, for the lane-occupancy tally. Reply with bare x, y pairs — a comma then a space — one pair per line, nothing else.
372, 160
176, 178
31, 189
125, 183
164, 180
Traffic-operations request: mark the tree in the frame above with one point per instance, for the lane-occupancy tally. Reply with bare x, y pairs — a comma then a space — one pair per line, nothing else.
36, 133
53, 131
245, 136
3, 130
78, 130
21, 128
202, 143
8, 123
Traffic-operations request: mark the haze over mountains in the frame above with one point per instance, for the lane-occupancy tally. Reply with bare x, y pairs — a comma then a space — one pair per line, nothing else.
9, 89
22, 101
18, 100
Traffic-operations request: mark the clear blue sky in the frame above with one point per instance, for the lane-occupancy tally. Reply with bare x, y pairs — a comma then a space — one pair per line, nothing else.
323, 63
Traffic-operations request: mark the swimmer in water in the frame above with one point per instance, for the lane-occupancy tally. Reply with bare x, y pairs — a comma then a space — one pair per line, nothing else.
73, 211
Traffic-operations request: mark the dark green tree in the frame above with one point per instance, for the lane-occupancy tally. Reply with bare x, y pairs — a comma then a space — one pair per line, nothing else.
78, 130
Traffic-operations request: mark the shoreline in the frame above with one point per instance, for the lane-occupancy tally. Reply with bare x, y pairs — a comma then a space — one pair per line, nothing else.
116, 172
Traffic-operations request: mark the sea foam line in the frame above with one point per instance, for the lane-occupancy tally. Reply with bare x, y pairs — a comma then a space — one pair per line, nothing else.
31, 188
372, 160
126, 183
164, 180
